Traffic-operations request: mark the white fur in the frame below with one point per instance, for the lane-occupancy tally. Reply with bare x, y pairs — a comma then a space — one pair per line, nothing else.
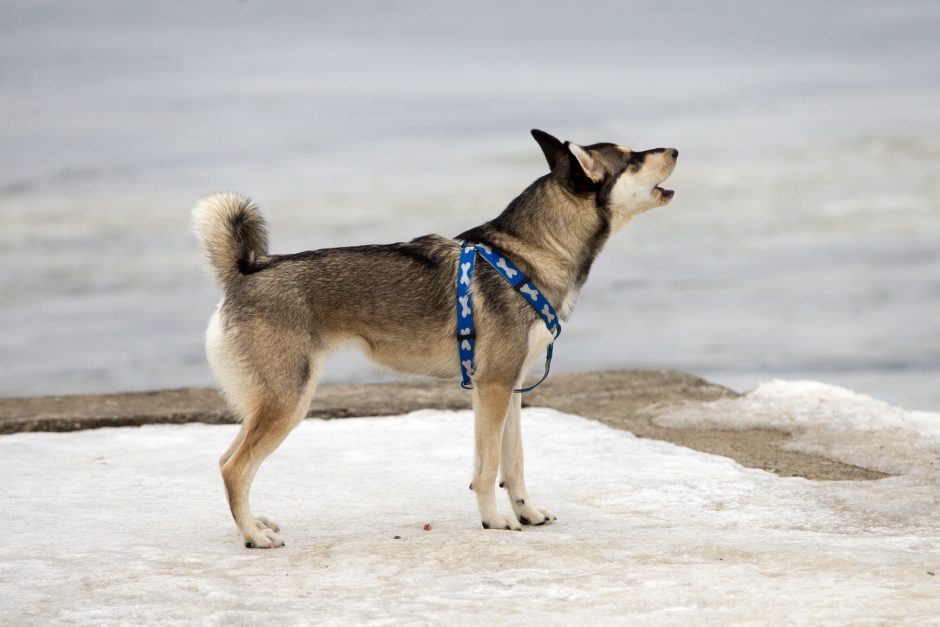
567, 305
232, 378
539, 339
586, 161
629, 194
634, 192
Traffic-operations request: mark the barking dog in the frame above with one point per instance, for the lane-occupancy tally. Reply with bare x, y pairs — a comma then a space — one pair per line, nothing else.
281, 315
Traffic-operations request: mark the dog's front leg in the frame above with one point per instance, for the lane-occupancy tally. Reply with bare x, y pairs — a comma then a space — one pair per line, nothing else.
490, 405
512, 473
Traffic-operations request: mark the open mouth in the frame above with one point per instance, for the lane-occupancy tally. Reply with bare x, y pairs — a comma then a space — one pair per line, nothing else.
666, 194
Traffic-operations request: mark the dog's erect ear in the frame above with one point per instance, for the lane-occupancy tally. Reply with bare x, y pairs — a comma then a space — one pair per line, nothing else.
553, 149
585, 169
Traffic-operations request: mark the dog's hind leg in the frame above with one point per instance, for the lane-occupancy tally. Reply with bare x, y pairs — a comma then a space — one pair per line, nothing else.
512, 473
272, 418
263, 522
490, 405
227, 455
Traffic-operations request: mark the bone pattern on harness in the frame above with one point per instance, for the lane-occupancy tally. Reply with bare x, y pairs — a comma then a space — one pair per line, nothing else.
465, 329
507, 271
465, 273
530, 291
547, 313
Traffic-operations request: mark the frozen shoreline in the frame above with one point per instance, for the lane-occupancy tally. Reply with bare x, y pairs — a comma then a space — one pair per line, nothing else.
634, 401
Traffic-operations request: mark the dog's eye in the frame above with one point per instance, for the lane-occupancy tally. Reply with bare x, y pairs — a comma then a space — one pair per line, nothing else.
635, 161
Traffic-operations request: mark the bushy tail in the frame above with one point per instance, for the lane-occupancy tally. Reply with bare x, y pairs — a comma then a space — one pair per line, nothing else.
232, 233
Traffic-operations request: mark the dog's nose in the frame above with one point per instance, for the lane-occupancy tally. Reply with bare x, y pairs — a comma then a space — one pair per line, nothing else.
675, 153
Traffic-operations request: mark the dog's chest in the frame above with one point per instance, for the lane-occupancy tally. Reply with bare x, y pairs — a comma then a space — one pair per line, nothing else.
568, 302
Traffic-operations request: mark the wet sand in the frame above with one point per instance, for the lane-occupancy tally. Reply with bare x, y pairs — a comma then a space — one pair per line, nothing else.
621, 399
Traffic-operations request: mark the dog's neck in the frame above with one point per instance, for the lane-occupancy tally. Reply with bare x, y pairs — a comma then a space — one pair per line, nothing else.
553, 235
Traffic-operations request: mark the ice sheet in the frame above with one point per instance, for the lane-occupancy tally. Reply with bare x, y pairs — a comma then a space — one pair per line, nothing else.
803, 242
130, 525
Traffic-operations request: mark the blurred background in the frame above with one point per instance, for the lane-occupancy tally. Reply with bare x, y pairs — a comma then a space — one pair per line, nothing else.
803, 242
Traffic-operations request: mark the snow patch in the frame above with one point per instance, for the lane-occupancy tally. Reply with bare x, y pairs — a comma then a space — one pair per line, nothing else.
826, 420
131, 526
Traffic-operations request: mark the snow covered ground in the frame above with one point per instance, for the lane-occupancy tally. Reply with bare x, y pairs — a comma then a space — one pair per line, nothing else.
130, 525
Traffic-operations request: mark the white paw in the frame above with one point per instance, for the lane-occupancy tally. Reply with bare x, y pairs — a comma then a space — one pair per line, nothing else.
532, 515
264, 522
500, 521
264, 539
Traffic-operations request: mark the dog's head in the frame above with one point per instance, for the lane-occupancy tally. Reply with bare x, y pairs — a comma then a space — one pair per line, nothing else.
622, 180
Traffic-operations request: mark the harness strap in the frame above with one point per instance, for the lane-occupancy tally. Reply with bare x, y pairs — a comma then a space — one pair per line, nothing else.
466, 333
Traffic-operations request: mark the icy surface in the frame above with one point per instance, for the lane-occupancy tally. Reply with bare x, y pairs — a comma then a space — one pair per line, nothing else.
827, 420
130, 525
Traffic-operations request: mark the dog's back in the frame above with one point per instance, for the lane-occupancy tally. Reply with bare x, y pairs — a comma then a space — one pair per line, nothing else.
279, 312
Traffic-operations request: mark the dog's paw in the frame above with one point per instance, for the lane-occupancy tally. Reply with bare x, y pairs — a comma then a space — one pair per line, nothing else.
532, 515
263, 522
264, 539
502, 522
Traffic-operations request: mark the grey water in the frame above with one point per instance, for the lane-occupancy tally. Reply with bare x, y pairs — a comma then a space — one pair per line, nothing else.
803, 241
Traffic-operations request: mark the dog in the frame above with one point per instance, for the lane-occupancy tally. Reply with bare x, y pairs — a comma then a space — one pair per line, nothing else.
281, 315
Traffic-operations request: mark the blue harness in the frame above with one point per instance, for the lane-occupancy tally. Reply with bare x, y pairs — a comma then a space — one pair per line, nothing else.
466, 336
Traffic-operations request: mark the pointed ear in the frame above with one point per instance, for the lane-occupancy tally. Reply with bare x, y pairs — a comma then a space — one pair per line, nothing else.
553, 149
584, 168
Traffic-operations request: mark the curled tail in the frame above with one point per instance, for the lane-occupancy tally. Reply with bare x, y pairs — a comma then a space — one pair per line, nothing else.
232, 233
